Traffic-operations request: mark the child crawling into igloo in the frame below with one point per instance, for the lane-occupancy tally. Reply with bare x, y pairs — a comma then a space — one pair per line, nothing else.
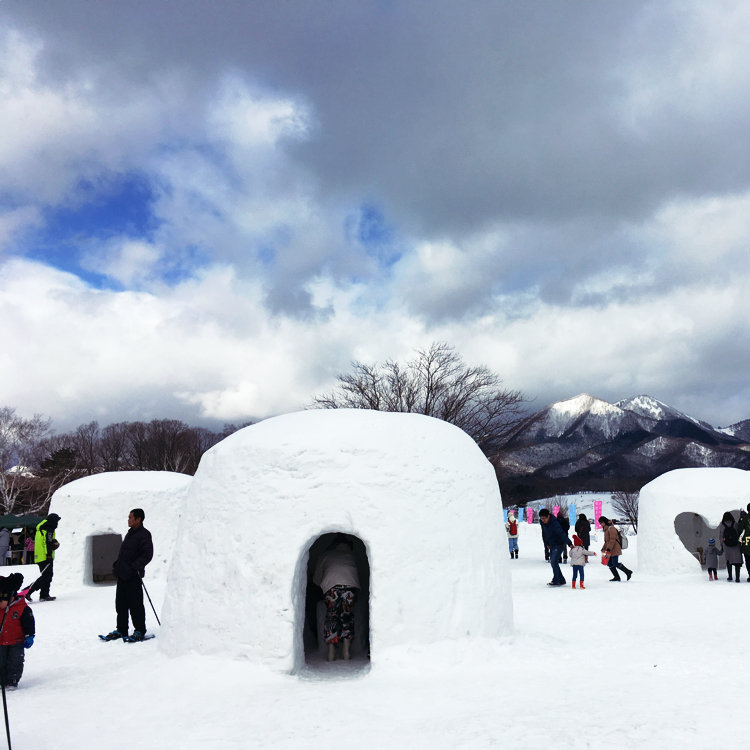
336, 574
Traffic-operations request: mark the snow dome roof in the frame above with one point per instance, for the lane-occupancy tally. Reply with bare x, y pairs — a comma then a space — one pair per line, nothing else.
703, 493
99, 505
416, 491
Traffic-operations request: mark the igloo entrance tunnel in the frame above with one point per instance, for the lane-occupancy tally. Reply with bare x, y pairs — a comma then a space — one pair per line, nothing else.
416, 493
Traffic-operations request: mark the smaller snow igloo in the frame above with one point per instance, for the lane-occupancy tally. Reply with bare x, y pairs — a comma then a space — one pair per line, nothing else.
417, 496
94, 518
680, 510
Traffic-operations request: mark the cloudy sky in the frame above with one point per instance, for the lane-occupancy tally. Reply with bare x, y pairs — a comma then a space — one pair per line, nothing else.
209, 209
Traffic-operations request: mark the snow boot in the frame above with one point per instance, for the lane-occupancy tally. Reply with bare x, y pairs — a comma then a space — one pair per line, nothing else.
573, 585
113, 636
331, 651
137, 636
47, 598
625, 570
615, 575
516, 553
581, 585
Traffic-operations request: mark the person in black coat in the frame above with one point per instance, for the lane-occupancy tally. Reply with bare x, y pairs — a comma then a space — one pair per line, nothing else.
583, 529
136, 552
556, 539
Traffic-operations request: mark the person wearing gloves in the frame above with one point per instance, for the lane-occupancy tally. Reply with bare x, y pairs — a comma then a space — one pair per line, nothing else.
511, 526
17, 631
136, 551
336, 574
556, 539
578, 555
45, 545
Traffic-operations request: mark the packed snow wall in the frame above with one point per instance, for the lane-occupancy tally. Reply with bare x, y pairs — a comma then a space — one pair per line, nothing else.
417, 492
679, 510
95, 509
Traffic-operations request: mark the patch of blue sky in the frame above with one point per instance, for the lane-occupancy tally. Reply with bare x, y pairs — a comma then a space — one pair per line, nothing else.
117, 205
370, 229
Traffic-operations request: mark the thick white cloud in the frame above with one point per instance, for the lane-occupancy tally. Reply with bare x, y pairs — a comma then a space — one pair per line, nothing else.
563, 191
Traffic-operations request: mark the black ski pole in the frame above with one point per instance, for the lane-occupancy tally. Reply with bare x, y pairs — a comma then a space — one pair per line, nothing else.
149, 601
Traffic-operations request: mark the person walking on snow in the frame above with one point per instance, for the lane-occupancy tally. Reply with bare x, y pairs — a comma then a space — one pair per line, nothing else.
556, 539
45, 545
578, 555
511, 526
136, 551
613, 549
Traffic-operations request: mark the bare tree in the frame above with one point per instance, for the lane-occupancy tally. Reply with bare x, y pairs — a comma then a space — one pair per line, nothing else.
438, 383
626, 504
19, 447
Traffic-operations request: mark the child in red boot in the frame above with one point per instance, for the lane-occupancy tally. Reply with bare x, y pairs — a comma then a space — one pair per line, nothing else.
578, 555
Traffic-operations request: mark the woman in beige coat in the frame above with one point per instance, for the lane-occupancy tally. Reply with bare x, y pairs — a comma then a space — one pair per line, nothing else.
613, 549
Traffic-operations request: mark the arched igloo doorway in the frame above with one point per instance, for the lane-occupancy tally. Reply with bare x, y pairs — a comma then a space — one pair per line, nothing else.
102, 552
315, 609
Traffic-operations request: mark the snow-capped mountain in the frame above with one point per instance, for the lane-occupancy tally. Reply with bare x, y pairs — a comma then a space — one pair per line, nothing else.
739, 430
588, 443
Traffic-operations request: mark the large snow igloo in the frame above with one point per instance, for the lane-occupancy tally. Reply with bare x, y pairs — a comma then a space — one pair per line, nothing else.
94, 518
680, 510
417, 496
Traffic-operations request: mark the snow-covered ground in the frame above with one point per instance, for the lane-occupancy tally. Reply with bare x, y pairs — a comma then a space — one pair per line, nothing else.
646, 663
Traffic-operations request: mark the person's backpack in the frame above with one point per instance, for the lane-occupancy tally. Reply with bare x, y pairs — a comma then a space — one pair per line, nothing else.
513, 528
730, 536
622, 539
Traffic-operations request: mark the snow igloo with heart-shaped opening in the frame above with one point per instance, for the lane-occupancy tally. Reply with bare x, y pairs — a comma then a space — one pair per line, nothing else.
680, 510
415, 496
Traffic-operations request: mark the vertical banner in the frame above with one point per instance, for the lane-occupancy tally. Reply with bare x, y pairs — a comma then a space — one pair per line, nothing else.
529, 515
597, 513
555, 510
505, 515
572, 515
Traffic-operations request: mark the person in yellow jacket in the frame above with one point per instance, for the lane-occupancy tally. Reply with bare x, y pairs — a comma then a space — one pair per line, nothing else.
45, 545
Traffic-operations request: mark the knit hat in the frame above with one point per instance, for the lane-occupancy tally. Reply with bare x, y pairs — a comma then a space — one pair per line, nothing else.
10, 584
577, 541
712, 541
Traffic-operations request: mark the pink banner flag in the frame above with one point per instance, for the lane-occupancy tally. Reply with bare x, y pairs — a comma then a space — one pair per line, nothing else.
529, 515
597, 513
555, 510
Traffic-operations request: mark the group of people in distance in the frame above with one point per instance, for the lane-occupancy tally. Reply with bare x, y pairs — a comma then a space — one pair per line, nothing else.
557, 542
17, 626
735, 546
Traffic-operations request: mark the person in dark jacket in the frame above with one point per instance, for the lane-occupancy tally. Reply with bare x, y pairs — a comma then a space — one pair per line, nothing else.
744, 530
136, 552
583, 529
556, 539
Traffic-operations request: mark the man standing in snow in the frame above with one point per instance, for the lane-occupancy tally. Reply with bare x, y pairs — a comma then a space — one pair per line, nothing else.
136, 552
45, 545
556, 539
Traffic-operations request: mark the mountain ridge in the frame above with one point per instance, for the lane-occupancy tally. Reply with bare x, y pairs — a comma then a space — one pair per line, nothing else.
587, 443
